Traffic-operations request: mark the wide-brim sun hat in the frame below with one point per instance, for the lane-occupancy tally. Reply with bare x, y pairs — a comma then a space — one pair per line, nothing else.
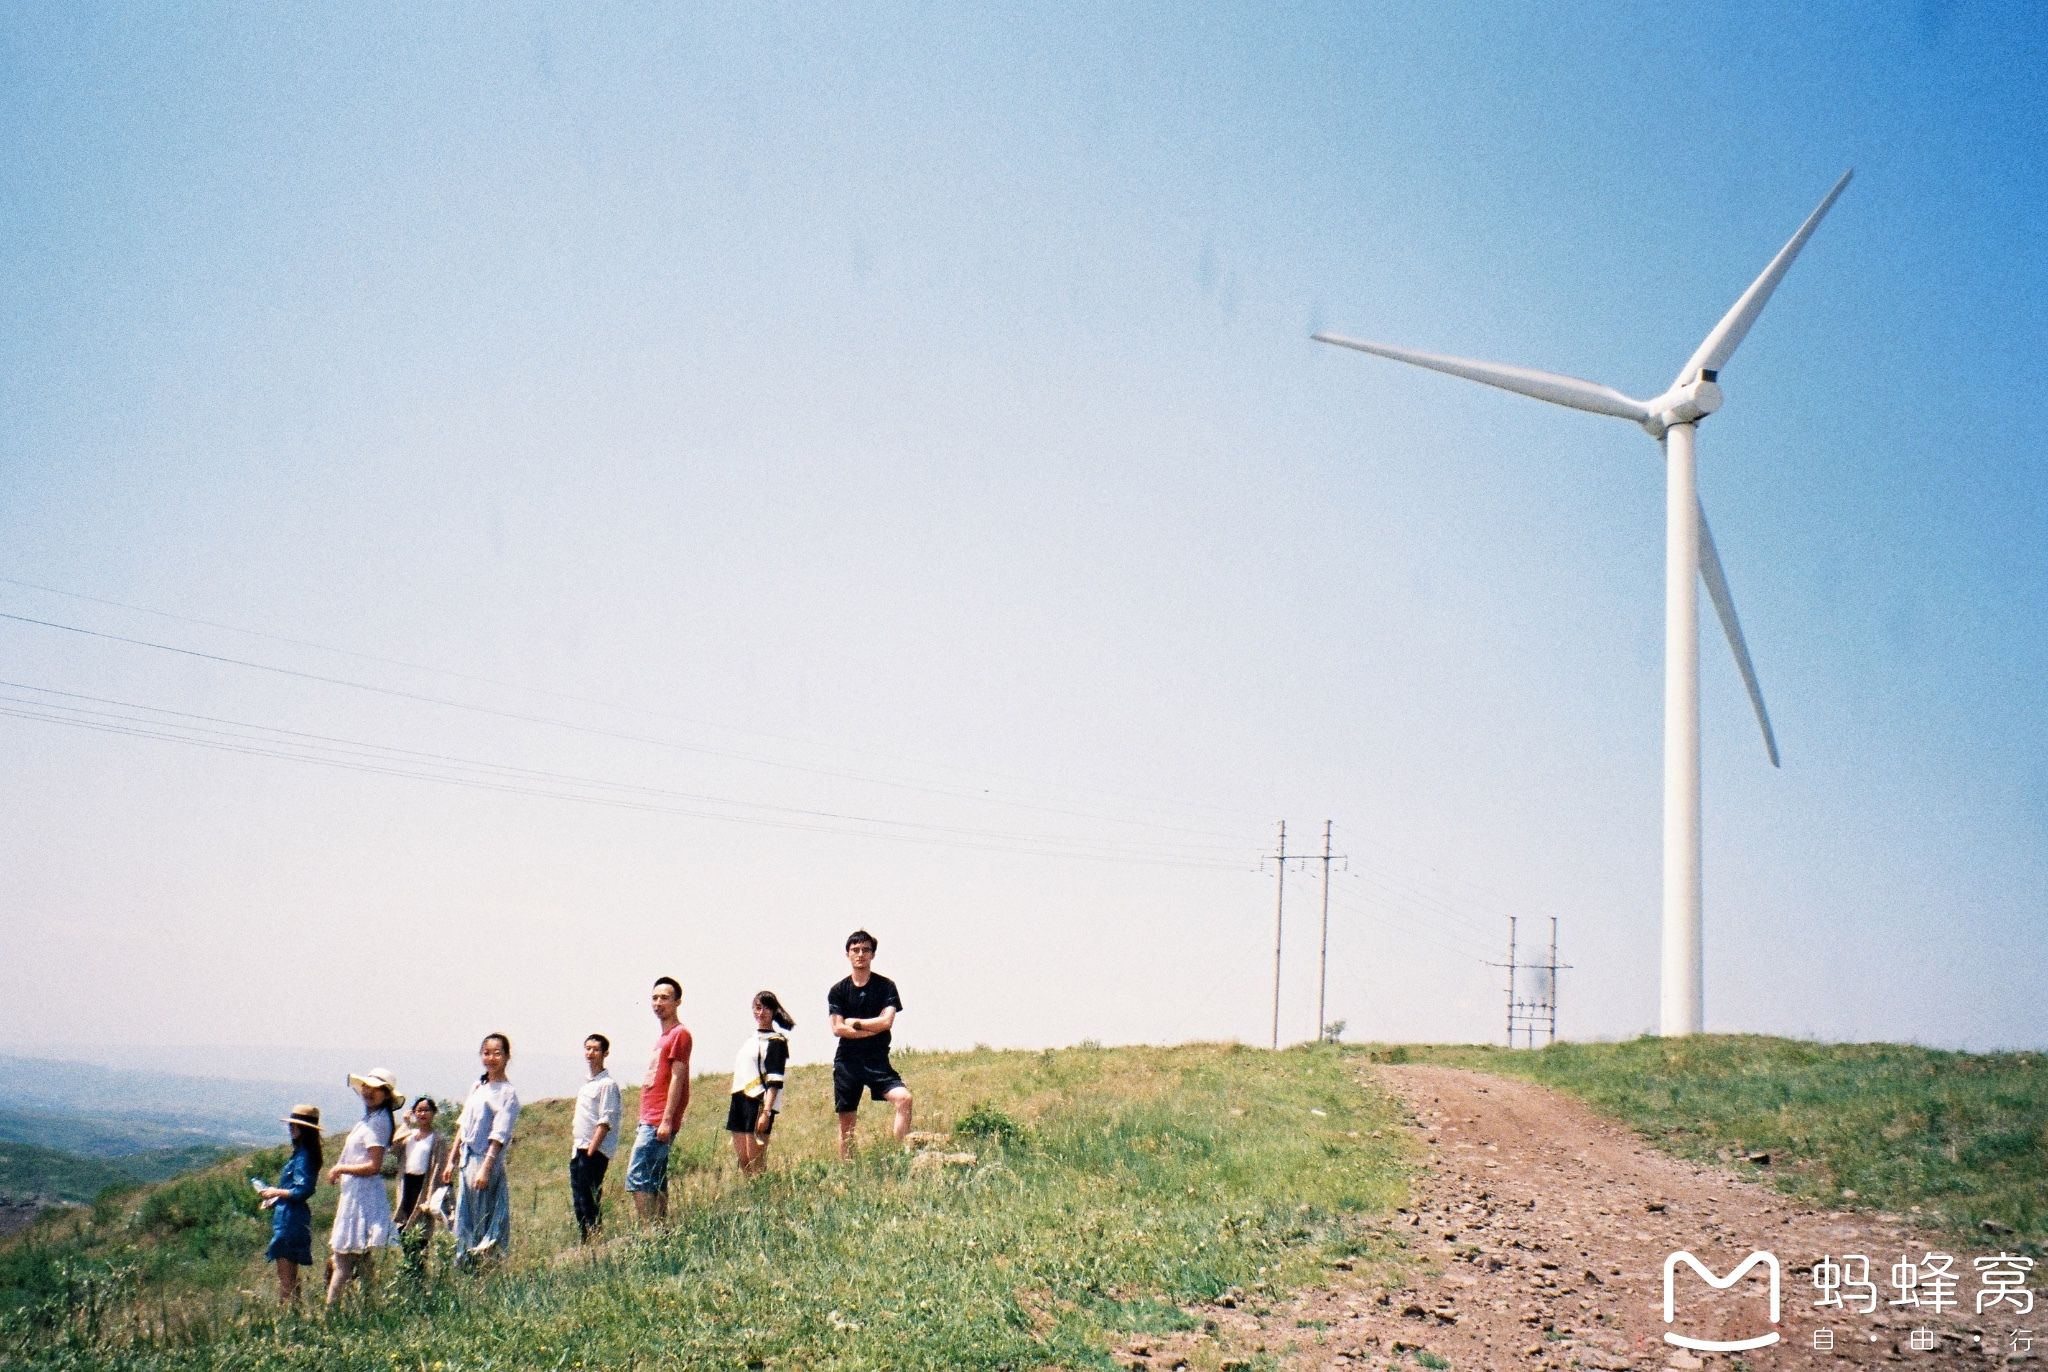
378, 1076
308, 1115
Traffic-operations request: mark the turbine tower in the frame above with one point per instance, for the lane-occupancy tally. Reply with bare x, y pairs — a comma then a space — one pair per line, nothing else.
1689, 556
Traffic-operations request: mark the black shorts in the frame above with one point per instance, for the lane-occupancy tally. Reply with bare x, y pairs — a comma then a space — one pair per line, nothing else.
744, 1113
848, 1079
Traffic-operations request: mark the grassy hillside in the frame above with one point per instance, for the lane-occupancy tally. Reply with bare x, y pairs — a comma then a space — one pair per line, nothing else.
31, 1172
1109, 1186
1961, 1138
56, 1156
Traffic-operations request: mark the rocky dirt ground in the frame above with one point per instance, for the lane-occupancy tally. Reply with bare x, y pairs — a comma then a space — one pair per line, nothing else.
1538, 1233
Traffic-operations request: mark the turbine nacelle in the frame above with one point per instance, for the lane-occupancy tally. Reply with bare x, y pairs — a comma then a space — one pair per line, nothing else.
1686, 403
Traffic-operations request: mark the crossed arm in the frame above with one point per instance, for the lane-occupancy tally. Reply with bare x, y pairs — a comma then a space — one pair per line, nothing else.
844, 1028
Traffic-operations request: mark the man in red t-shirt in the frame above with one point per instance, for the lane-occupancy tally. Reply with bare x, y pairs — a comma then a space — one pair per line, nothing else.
663, 1099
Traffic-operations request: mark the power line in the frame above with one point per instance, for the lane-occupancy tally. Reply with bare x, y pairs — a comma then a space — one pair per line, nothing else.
327, 742
1381, 915
458, 675
1454, 907
548, 721
1486, 898
1385, 920
1401, 899
1480, 924
1021, 847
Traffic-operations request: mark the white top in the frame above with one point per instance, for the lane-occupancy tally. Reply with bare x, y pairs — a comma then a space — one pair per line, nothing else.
487, 1117
758, 1066
598, 1102
419, 1153
371, 1131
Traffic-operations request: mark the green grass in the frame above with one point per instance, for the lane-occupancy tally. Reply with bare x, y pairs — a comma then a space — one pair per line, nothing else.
1961, 1137
1112, 1187
30, 1171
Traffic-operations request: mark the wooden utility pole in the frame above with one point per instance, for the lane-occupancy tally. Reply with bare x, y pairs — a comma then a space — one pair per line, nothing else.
1279, 924
1550, 985
1323, 962
1511, 980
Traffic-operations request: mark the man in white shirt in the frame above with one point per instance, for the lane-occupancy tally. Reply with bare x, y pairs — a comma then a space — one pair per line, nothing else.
594, 1135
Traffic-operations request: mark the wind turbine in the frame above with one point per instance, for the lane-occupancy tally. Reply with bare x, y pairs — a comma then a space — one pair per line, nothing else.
1673, 420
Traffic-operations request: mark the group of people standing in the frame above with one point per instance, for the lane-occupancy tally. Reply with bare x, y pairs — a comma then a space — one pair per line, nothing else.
461, 1180
469, 1170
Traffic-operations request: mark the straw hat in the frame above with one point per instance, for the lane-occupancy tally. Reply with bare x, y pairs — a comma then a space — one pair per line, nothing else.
378, 1076
308, 1115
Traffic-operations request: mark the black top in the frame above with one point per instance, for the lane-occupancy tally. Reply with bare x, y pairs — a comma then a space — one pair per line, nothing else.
863, 1002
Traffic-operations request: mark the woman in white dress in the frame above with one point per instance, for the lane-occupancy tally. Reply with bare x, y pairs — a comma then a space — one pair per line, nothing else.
362, 1216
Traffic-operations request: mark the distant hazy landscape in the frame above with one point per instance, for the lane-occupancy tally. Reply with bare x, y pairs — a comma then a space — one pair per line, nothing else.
143, 1102
70, 1126
69, 1130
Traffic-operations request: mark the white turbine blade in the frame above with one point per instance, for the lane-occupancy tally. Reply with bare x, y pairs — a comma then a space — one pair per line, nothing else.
1724, 605
1558, 390
1718, 346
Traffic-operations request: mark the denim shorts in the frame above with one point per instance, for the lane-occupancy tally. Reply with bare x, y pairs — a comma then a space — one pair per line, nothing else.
647, 1169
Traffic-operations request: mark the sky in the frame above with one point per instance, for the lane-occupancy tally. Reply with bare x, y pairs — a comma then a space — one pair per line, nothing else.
641, 491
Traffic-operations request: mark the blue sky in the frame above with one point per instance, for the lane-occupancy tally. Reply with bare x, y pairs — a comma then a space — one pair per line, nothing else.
924, 397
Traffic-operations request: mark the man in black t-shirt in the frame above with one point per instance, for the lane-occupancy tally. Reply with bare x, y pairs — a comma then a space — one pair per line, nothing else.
863, 1006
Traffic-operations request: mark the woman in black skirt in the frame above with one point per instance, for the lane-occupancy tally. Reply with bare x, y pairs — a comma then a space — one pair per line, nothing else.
757, 1083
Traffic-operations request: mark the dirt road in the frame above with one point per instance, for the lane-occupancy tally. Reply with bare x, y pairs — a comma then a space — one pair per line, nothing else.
1542, 1232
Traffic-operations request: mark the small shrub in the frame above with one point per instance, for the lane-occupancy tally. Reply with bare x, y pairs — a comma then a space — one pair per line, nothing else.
268, 1162
984, 1121
107, 1205
199, 1203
